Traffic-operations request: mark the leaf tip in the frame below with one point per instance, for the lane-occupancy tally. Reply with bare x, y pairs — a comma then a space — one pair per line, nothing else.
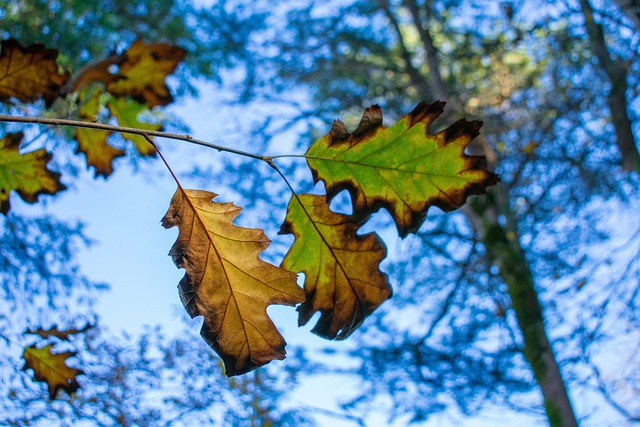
338, 132
371, 120
427, 113
463, 127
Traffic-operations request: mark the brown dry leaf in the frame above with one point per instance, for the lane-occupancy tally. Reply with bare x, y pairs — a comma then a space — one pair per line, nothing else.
226, 282
144, 70
29, 73
24, 173
51, 369
92, 142
342, 277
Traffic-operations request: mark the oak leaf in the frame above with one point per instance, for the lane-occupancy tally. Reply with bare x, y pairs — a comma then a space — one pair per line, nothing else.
29, 73
401, 168
342, 277
24, 173
142, 74
226, 282
52, 369
126, 111
93, 142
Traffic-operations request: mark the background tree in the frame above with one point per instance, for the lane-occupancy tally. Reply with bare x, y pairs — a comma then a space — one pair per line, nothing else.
529, 70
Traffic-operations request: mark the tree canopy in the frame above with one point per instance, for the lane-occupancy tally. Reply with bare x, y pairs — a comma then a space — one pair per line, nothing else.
521, 298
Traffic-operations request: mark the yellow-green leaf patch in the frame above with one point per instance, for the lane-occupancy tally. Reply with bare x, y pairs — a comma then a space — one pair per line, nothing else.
24, 173
342, 277
142, 74
401, 168
93, 142
126, 111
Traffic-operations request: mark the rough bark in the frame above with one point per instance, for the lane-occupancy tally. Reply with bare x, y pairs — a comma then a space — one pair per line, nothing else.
617, 75
503, 249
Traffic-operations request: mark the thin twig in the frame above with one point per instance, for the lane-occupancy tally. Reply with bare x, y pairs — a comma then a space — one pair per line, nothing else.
329, 413
164, 160
123, 129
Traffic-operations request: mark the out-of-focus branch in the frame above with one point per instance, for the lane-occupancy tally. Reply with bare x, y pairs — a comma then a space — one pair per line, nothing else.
438, 86
417, 80
617, 74
631, 8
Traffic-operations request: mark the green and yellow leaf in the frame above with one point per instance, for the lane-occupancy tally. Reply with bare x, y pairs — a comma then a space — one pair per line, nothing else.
226, 282
126, 111
92, 142
24, 173
142, 74
29, 73
401, 168
52, 369
342, 277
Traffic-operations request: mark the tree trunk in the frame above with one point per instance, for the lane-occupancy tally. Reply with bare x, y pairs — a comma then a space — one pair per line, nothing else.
503, 249
617, 99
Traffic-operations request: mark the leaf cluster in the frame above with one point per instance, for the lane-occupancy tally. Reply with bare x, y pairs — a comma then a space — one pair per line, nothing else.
403, 168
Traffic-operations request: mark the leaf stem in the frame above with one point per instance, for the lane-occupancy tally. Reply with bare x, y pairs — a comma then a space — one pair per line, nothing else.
288, 156
175, 178
123, 129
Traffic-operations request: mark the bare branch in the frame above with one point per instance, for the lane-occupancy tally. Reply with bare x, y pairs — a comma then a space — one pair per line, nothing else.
135, 131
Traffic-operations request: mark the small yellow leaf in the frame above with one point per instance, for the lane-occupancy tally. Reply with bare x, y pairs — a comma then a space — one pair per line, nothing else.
342, 277
51, 369
29, 73
92, 142
226, 282
144, 70
24, 173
